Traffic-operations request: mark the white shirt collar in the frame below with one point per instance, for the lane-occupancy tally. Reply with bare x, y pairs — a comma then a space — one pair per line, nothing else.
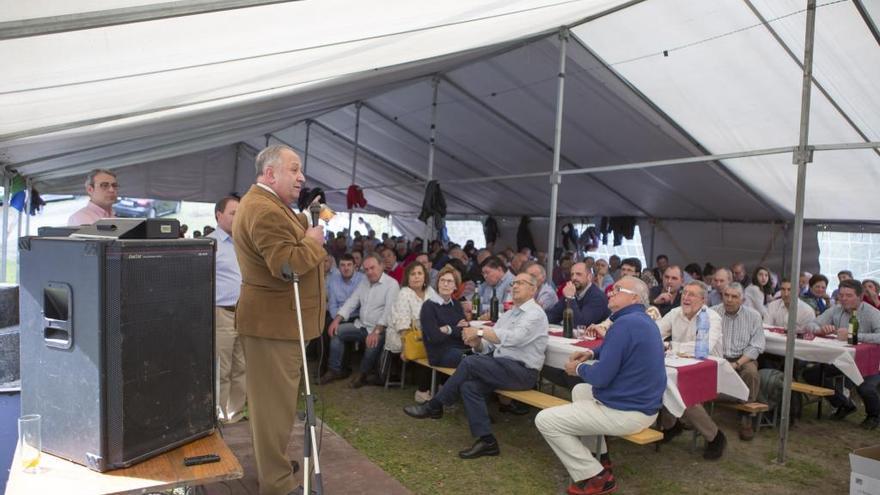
264, 186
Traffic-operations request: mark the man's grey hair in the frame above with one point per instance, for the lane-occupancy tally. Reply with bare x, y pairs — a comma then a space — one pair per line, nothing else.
90, 178
375, 256
704, 289
270, 156
735, 286
532, 279
727, 271
640, 288
529, 264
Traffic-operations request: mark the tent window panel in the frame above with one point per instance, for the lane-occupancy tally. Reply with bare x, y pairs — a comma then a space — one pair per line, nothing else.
858, 252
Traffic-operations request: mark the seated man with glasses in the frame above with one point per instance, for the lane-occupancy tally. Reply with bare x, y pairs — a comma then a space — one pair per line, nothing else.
507, 356
101, 186
621, 393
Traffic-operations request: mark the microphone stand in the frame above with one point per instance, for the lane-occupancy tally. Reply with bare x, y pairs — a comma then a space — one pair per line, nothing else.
310, 443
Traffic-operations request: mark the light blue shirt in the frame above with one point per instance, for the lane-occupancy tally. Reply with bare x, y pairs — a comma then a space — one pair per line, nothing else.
374, 301
500, 290
522, 332
339, 290
227, 273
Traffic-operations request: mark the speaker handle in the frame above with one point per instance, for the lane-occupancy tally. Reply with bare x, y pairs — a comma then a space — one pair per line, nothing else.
58, 315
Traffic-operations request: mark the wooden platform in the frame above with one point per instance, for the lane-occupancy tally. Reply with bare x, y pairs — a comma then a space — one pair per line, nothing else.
163, 472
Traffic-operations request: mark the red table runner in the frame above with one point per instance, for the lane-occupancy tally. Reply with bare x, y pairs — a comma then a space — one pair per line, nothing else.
590, 344
868, 359
698, 383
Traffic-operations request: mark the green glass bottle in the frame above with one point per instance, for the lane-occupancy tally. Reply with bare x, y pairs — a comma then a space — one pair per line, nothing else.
853, 337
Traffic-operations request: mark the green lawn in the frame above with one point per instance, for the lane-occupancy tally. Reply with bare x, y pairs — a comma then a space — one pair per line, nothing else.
422, 454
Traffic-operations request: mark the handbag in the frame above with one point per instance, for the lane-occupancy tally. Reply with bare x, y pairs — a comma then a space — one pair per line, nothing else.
413, 345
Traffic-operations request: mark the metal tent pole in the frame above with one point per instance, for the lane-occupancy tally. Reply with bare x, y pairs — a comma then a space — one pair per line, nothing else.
7, 182
354, 160
306, 150
432, 142
27, 208
802, 156
555, 178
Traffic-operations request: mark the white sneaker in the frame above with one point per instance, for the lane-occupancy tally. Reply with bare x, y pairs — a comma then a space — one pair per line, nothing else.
422, 397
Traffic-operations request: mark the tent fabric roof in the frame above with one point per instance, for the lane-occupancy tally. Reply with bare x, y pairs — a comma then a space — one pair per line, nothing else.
180, 105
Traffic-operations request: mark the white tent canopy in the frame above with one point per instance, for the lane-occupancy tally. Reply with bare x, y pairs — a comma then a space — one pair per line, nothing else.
179, 105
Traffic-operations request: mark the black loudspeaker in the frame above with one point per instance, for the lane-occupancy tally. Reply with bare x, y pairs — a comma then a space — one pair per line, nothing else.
117, 345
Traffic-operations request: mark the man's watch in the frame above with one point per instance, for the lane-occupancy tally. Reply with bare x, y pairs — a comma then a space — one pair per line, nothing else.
480, 333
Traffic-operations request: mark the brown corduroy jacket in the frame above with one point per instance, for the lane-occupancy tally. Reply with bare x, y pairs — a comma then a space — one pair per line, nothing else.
267, 234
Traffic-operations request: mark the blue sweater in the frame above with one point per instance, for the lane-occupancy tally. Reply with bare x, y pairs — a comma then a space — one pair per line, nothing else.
629, 373
592, 308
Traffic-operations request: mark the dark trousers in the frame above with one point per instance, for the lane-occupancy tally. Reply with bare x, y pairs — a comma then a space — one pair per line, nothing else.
867, 390
448, 359
475, 378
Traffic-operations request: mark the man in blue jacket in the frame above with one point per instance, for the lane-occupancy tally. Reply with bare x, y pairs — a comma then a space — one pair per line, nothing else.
586, 299
621, 394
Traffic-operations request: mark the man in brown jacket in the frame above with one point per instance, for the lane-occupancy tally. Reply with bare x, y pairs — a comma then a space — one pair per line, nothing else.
268, 237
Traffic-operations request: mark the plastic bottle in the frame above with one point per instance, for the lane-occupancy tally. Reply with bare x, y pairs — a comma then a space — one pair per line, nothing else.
508, 302
701, 349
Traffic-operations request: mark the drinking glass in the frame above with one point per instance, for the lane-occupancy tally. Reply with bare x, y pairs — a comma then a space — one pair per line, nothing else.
29, 442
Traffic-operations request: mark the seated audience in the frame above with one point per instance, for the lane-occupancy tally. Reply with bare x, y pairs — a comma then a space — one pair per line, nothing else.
777, 311
508, 356
496, 280
668, 295
602, 276
871, 289
662, 263
392, 267
720, 279
374, 298
629, 267
342, 283
693, 272
816, 296
742, 342
837, 318
841, 276
738, 270
408, 305
760, 292
621, 393
546, 296
442, 319
586, 300
681, 324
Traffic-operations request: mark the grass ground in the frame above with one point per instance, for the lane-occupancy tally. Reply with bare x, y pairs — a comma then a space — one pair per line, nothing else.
423, 454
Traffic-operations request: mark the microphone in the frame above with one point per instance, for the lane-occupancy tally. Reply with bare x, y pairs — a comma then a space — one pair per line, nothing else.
286, 272
315, 210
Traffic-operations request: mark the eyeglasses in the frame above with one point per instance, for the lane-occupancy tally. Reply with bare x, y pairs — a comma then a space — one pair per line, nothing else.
446, 281
618, 289
107, 185
521, 282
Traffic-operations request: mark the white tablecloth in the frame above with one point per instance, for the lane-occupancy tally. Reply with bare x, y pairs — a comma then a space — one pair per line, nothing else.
729, 382
818, 350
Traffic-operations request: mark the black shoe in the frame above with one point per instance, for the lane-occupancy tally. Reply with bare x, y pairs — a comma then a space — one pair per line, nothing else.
673, 432
843, 411
375, 379
515, 407
422, 411
358, 381
331, 376
871, 423
479, 449
715, 448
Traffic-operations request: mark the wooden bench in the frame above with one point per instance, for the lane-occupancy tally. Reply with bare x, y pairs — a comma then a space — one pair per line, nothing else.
815, 393
540, 400
755, 410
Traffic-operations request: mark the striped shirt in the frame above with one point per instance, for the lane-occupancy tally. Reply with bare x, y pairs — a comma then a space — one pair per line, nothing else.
742, 332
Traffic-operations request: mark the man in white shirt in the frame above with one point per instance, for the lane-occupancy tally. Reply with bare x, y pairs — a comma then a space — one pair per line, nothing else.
101, 186
777, 310
373, 299
231, 394
681, 324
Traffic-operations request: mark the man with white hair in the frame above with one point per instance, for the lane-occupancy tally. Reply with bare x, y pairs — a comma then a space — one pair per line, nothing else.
621, 393
743, 341
546, 296
101, 186
681, 324
271, 243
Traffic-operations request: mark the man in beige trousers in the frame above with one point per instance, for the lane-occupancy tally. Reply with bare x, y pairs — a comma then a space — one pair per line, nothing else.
268, 237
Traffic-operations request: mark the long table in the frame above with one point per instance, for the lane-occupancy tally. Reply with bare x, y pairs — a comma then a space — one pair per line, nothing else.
829, 351
727, 380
